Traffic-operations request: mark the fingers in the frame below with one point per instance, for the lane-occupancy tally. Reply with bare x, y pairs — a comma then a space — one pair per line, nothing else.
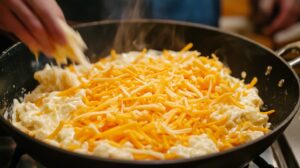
288, 15
266, 6
278, 24
12, 24
32, 23
35, 22
49, 14
58, 10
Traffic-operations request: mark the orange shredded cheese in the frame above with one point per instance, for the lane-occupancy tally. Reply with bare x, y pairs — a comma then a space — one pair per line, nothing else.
268, 112
157, 103
56, 131
253, 82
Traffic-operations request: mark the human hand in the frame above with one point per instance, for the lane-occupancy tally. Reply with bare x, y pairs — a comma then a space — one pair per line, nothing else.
288, 14
34, 22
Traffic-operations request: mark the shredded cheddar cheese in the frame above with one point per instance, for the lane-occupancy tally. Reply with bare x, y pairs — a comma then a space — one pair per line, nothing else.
73, 50
147, 105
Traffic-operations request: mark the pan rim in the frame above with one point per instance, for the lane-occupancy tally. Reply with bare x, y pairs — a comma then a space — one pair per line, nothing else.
162, 162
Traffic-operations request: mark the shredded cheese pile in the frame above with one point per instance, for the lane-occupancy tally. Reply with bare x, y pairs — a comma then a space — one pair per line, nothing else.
153, 105
73, 50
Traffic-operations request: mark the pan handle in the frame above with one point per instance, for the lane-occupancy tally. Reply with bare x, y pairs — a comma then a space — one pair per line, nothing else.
291, 48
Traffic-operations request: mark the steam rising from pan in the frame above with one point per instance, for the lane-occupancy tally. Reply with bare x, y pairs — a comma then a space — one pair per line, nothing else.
130, 37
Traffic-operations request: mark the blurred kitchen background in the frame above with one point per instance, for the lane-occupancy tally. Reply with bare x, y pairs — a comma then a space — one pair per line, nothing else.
249, 18
252, 18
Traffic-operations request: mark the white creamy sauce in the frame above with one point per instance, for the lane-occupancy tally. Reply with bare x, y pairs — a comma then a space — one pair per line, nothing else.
104, 149
198, 145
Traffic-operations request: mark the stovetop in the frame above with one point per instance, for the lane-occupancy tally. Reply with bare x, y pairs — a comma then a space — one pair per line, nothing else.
292, 135
273, 157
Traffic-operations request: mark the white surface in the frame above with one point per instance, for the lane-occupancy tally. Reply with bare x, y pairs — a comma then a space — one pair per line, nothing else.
287, 35
235, 23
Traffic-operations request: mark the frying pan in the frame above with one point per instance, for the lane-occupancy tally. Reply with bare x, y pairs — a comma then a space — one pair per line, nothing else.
17, 66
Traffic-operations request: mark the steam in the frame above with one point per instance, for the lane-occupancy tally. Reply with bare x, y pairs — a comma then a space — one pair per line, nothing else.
126, 32
134, 35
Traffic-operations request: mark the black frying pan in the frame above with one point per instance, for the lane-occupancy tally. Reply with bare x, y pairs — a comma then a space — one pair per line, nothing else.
17, 66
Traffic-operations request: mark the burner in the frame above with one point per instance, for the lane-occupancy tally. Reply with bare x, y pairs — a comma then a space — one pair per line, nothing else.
262, 162
7, 147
